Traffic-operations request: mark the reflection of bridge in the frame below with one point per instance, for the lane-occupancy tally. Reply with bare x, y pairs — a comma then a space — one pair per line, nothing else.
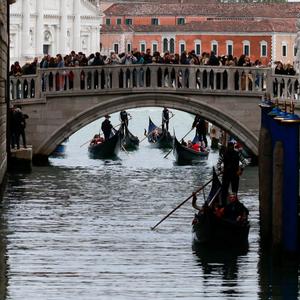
61, 101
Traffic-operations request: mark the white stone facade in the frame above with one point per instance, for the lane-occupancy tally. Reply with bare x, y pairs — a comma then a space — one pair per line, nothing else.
39, 27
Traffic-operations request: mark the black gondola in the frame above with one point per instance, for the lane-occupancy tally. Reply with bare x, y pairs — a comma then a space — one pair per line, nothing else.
208, 228
130, 141
183, 154
106, 149
158, 137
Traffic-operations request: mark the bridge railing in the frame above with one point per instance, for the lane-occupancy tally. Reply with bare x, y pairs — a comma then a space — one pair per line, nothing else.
205, 79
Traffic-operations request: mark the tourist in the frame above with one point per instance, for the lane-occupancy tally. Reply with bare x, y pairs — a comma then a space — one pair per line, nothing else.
19, 120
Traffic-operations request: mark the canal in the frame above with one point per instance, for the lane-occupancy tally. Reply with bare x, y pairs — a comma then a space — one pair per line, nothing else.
80, 229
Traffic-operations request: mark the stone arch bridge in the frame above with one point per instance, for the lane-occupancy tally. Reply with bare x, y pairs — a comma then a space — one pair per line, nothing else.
60, 101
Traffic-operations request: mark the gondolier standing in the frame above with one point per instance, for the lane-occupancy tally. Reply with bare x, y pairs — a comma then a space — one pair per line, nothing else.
201, 128
232, 170
124, 121
165, 118
106, 127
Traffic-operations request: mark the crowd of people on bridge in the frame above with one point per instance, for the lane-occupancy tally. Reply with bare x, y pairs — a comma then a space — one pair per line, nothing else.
136, 57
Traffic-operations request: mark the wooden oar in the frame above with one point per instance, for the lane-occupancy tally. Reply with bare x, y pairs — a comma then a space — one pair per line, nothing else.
146, 135
85, 143
188, 198
181, 140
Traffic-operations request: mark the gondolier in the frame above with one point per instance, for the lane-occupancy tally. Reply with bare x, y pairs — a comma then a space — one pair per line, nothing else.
124, 122
106, 127
201, 128
165, 118
230, 159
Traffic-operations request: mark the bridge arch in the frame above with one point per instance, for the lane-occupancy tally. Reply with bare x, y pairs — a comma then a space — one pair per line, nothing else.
225, 119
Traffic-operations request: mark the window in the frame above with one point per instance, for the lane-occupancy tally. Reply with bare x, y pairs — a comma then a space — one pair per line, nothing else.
154, 21
116, 48
172, 46
263, 49
181, 47
246, 48
284, 49
198, 47
128, 47
119, 21
154, 47
229, 47
128, 21
165, 45
107, 21
180, 21
142, 47
214, 47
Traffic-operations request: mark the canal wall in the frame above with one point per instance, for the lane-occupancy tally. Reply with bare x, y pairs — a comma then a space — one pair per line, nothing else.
3, 76
3, 118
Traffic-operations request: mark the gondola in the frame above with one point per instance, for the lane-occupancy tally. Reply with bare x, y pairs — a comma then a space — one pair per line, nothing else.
210, 229
129, 141
183, 154
106, 149
159, 138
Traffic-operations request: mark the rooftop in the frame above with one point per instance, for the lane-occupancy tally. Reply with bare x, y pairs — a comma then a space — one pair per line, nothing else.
228, 26
241, 10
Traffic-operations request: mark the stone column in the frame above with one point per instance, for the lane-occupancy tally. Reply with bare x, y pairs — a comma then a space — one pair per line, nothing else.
63, 27
39, 28
25, 28
77, 26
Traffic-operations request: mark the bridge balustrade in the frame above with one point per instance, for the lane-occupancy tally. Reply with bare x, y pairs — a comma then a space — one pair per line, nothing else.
195, 78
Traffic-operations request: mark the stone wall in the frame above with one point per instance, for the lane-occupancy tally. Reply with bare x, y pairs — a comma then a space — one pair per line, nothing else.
3, 69
3, 154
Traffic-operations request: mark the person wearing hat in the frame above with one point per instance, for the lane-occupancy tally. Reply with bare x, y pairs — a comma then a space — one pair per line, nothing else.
230, 159
201, 128
106, 127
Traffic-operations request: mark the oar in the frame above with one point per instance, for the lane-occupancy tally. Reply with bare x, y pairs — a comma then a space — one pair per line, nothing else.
85, 143
188, 198
146, 135
181, 139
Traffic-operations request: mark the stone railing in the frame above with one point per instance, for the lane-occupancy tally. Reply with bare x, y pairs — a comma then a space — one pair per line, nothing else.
189, 78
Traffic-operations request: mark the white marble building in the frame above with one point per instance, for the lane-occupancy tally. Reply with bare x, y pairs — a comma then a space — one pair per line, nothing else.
39, 27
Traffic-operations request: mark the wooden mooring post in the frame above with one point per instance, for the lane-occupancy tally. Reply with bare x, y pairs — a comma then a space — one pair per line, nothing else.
279, 176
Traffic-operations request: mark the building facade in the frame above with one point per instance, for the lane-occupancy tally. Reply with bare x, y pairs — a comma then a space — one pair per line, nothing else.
253, 29
39, 27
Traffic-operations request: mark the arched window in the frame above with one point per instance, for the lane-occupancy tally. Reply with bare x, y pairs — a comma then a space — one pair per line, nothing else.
165, 45
246, 48
214, 47
263, 49
172, 45
197, 44
181, 46
229, 47
142, 46
154, 46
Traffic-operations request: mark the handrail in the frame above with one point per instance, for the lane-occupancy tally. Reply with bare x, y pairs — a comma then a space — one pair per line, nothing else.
196, 78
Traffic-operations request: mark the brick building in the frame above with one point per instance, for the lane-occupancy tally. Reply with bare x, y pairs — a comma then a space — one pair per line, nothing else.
255, 29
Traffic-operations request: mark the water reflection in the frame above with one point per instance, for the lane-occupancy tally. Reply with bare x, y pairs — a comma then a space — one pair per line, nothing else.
278, 276
224, 263
3, 254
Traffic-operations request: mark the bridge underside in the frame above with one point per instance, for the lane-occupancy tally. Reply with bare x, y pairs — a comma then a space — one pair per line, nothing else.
56, 118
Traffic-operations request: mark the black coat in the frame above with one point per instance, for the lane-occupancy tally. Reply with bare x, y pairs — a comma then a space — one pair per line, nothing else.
106, 126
